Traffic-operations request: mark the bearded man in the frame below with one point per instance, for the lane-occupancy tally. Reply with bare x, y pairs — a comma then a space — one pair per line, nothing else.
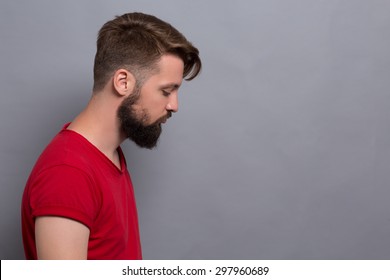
79, 201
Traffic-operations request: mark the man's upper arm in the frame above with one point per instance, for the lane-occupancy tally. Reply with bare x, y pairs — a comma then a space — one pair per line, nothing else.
61, 238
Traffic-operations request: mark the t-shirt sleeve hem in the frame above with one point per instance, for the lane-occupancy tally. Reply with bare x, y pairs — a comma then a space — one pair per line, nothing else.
65, 212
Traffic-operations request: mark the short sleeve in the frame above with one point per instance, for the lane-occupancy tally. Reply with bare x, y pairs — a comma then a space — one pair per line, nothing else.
65, 191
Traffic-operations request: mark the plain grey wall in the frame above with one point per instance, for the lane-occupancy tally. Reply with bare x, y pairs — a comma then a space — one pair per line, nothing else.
280, 149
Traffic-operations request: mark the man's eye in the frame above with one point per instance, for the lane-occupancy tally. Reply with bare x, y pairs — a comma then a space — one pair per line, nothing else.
166, 93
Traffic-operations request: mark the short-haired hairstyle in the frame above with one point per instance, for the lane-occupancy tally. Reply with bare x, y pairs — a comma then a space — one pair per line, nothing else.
136, 42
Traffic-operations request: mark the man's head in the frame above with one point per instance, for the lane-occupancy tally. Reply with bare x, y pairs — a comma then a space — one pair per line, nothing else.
136, 42
158, 57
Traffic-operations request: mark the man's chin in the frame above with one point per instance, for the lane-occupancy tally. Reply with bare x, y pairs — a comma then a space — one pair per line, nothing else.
149, 146
148, 140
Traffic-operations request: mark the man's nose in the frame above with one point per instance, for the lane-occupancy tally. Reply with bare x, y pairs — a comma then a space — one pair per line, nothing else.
173, 104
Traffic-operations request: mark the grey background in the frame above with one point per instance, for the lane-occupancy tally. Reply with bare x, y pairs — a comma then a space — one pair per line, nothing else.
280, 149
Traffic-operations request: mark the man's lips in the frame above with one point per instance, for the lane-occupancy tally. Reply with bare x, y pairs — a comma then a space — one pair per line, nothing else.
164, 119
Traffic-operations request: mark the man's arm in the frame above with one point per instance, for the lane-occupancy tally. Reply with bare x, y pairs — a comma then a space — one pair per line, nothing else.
60, 238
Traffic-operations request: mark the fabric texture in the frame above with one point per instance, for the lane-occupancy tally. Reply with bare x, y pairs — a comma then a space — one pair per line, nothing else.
75, 180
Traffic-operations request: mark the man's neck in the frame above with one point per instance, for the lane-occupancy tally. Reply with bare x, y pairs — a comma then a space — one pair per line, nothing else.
99, 124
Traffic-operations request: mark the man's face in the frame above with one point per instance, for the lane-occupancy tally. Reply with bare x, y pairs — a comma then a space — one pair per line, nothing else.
142, 113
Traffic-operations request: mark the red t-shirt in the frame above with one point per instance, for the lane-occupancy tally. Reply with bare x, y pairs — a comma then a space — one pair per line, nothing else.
73, 179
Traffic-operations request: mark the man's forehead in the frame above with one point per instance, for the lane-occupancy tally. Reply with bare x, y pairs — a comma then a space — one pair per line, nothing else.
170, 61
170, 71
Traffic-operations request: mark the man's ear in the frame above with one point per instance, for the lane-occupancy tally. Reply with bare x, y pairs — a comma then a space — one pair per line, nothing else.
123, 82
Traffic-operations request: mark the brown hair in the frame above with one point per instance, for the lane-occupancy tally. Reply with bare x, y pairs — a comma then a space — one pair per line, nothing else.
136, 42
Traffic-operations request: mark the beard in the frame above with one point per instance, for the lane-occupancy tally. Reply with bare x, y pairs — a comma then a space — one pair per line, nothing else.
133, 123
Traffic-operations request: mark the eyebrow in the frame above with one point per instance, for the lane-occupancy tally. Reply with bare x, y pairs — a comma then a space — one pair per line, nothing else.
171, 86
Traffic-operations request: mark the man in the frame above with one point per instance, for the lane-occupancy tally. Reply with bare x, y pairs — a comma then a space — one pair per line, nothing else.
79, 202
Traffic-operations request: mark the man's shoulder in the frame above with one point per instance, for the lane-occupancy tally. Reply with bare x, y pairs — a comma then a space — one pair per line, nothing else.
67, 148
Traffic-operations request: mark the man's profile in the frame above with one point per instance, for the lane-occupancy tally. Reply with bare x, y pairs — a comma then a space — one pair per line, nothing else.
79, 202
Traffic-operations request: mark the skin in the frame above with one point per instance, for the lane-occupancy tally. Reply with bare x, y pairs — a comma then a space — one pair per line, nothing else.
63, 238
